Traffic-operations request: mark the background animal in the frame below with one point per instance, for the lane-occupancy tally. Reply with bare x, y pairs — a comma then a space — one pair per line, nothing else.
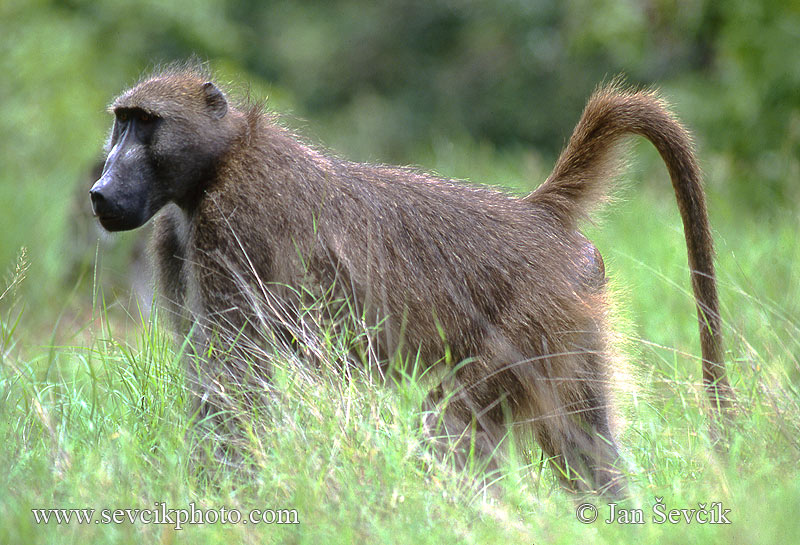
127, 272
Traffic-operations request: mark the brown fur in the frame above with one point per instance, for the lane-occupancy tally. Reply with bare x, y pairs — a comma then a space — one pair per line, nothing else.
506, 288
581, 176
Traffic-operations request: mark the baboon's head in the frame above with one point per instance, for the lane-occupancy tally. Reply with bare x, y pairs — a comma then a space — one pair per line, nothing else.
169, 134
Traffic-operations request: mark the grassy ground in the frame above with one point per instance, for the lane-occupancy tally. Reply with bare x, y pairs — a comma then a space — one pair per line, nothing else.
100, 418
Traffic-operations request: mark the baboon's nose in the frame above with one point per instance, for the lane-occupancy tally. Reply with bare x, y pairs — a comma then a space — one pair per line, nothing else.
99, 202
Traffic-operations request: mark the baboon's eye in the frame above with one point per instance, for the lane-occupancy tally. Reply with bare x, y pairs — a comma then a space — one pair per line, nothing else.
146, 124
122, 116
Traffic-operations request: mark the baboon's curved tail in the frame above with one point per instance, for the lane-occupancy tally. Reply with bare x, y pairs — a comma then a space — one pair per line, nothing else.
586, 168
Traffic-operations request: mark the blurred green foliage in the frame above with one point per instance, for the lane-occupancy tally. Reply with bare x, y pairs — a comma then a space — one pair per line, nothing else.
391, 80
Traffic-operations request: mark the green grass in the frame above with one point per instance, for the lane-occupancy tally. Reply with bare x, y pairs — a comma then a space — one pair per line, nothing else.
101, 418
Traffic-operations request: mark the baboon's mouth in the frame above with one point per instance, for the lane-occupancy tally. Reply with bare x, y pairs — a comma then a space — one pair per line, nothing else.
109, 222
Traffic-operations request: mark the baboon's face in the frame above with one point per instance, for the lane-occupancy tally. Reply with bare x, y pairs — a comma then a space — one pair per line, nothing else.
127, 195
167, 138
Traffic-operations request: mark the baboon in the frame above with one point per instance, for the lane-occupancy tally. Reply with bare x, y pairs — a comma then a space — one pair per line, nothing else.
503, 292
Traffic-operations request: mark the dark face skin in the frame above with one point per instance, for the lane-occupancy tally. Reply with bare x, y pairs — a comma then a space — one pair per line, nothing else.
126, 196
157, 157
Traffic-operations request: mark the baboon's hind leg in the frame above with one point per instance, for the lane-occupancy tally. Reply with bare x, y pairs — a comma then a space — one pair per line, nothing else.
468, 417
570, 419
568, 415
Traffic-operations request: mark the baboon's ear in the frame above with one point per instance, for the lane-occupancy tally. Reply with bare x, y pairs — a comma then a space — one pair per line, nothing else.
215, 100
